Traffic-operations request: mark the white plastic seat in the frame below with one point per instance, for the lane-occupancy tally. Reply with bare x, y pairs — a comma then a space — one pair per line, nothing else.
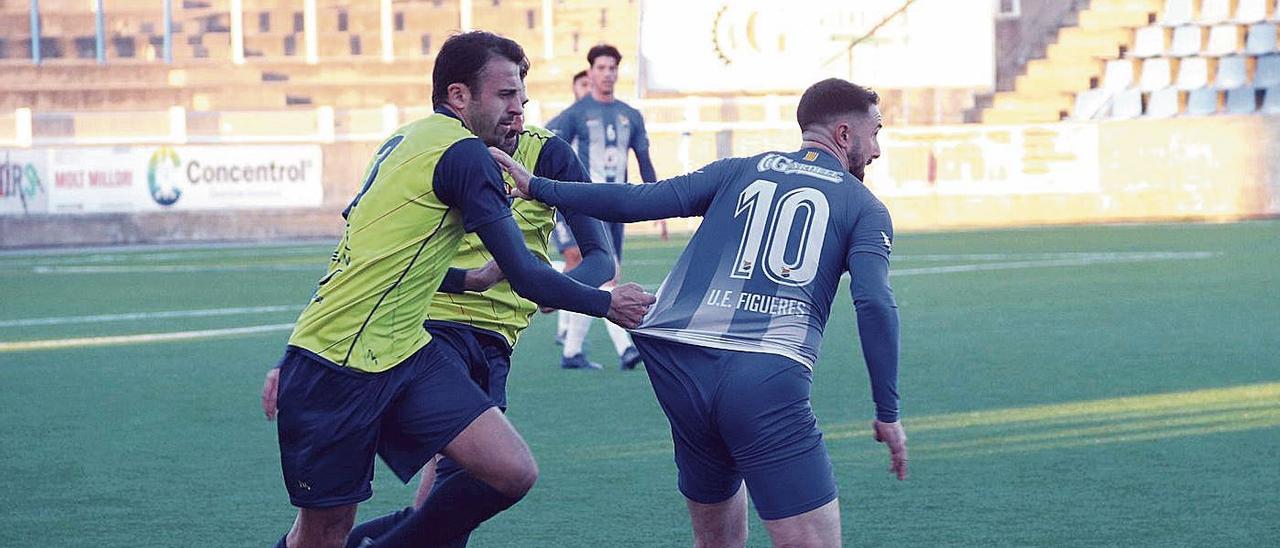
1163, 103
1150, 41
1118, 74
1203, 102
1224, 40
1177, 12
1089, 104
1126, 104
1242, 100
1157, 73
1251, 11
1262, 39
1267, 74
1187, 40
1193, 73
1271, 101
1214, 11
1233, 72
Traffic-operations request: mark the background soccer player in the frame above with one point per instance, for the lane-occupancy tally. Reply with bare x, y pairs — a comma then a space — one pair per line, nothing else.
731, 341
581, 85
360, 375
603, 129
563, 236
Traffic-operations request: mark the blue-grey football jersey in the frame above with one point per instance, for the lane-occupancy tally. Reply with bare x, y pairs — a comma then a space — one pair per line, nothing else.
603, 133
761, 272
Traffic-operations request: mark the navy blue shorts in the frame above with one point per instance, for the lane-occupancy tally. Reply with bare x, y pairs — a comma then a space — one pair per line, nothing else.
333, 420
488, 360
485, 353
741, 416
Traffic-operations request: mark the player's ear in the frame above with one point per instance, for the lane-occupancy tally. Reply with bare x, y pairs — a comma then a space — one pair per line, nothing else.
458, 95
843, 133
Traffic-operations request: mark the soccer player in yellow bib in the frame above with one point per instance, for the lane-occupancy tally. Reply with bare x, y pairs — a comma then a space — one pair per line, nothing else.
478, 312
361, 376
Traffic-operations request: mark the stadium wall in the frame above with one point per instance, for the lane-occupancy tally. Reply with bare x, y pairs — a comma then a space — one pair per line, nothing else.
972, 176
1194, 169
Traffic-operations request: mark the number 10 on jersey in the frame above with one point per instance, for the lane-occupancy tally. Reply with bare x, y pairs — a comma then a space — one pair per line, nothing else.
791, 249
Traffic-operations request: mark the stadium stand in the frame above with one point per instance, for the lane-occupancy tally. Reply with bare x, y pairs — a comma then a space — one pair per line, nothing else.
1044, 92
1220, 59
1168, 51
273, 70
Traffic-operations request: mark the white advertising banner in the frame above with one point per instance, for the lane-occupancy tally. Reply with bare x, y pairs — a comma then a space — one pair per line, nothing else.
130, 179
24, 181
987, 160
769, 46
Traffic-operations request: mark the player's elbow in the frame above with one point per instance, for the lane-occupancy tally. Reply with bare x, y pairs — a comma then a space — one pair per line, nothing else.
523, 279
879, 303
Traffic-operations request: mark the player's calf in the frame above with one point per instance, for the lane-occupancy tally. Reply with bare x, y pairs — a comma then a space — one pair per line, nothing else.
322, 527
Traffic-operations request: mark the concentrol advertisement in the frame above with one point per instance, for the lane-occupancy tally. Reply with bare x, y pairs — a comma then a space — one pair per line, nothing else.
160, 178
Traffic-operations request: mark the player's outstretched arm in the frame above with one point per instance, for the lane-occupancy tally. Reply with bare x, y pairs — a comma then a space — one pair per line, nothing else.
683, 196
538, 282
597, 264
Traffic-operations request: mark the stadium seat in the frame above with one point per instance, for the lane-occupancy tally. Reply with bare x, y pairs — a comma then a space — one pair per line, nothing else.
1188, 40
1261, 40
1233, 72
1177, 12
1271, 101
1268, 72
1214, 11
1251, 11
1118, 75
1150, 41
1203, 102
1126, 104
1164, 103
1224, 40
1089, 103
1193, 73
1157, 73
1242, 100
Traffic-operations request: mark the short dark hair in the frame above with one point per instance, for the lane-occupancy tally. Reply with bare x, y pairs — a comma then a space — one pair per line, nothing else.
831, 98
579, 75
601, 50
463, 56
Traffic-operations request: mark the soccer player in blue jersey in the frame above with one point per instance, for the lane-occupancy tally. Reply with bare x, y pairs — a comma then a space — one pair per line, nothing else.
730, 344
566, 245
360, 375
603, 129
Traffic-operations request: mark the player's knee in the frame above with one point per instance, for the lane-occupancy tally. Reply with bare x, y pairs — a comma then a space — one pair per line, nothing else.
727, 538
520, 477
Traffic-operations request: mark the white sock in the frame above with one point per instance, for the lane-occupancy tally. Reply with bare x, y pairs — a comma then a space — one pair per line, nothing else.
562, 323
621, 340
576, 333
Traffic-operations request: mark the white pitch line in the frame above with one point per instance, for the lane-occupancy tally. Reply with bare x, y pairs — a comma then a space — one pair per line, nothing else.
1082, 261
177, 268
51, 344
940, 257
129, 316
